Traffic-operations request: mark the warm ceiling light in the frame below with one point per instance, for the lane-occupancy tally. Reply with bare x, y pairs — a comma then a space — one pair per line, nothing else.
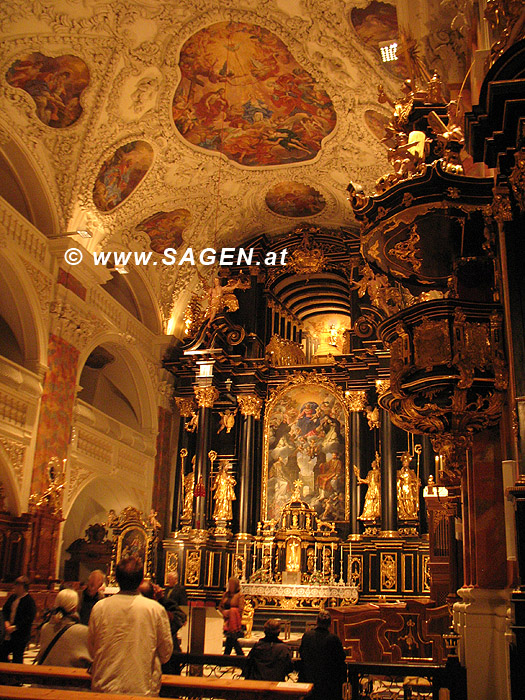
388, 51
121, 269
83, 233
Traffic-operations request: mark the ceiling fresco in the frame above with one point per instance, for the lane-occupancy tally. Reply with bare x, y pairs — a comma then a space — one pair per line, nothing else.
248, 114
294, 199
243, 94
375, 24
55, 84
165, 229
121, 173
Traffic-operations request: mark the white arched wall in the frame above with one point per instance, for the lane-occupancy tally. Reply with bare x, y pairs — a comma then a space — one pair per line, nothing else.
32, 181
92, 504
20, 306
139, 376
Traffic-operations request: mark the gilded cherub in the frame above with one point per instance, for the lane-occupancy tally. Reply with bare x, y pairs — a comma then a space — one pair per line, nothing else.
221, 297
227, 420
192, 423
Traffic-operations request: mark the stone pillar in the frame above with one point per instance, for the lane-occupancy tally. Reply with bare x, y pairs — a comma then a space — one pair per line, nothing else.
160, 501
186, 407
392, 439
250, 408
482, 617
206, 397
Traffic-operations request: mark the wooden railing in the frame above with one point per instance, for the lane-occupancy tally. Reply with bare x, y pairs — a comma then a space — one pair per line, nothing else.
408, 679
70, 679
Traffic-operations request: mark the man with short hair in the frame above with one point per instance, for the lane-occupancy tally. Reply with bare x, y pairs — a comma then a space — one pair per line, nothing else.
128, 637
175, 591
270, 659
19, 612
322, 661
91, 594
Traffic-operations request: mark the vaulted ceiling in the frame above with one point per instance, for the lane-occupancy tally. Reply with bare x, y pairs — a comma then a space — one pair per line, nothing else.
195, 122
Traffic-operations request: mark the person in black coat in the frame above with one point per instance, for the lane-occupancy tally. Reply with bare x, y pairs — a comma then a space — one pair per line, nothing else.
322, 661
19, 612
270, 659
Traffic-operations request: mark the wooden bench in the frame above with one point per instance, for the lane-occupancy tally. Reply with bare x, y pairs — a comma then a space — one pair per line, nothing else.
196, 687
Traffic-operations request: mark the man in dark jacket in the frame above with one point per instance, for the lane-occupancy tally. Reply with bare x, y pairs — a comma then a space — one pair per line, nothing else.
270, 659
19, 612
322, 661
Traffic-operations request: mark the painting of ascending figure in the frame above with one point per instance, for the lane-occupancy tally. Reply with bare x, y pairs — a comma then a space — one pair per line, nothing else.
306, 439
242, 93
55, 84
165, 228
121, 173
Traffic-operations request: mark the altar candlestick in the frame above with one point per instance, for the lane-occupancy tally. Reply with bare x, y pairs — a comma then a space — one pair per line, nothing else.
254, 558
315, 556
342, 565
332, 562
271, 573
244, 565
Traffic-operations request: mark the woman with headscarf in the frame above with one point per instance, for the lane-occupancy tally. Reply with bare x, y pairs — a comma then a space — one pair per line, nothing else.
231, 608
63, 640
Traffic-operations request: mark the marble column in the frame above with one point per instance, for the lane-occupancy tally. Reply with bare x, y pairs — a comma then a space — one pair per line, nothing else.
250, 408
356, 401
206, 397
392, 440
186, 406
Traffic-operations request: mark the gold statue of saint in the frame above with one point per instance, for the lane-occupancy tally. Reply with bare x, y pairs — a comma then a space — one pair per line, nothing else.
293, 554
224, 492
407, 490
189, 482
372, 506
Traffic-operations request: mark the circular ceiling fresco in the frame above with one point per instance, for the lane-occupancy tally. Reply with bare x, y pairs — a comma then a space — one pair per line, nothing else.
243, 94
295, 199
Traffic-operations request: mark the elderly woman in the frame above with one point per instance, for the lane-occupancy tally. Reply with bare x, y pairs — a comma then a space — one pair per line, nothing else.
63, 640
231, 607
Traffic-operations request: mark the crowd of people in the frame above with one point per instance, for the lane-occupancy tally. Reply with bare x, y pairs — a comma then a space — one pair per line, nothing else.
128, 640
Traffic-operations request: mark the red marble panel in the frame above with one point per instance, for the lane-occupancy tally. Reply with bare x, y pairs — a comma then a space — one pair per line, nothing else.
56, 408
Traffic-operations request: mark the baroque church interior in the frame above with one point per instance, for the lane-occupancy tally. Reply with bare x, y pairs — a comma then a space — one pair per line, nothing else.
261, 315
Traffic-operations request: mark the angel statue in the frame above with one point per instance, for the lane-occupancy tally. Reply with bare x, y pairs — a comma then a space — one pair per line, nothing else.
224, 492
372, 506
227, 420
221, 297
451, 137
191, 425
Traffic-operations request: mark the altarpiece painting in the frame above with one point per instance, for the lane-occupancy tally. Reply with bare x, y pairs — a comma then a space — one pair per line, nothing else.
306, 439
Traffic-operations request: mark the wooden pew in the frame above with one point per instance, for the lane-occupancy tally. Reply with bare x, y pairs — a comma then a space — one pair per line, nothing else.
192, 686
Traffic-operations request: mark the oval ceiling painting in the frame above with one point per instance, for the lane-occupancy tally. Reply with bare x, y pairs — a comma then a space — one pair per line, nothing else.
377, 123
243, 94
290, 198
55, 84
165, 228
120, 174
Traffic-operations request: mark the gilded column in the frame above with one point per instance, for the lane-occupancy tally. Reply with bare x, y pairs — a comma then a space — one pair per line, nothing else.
186, 406
250, 407
206, 397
